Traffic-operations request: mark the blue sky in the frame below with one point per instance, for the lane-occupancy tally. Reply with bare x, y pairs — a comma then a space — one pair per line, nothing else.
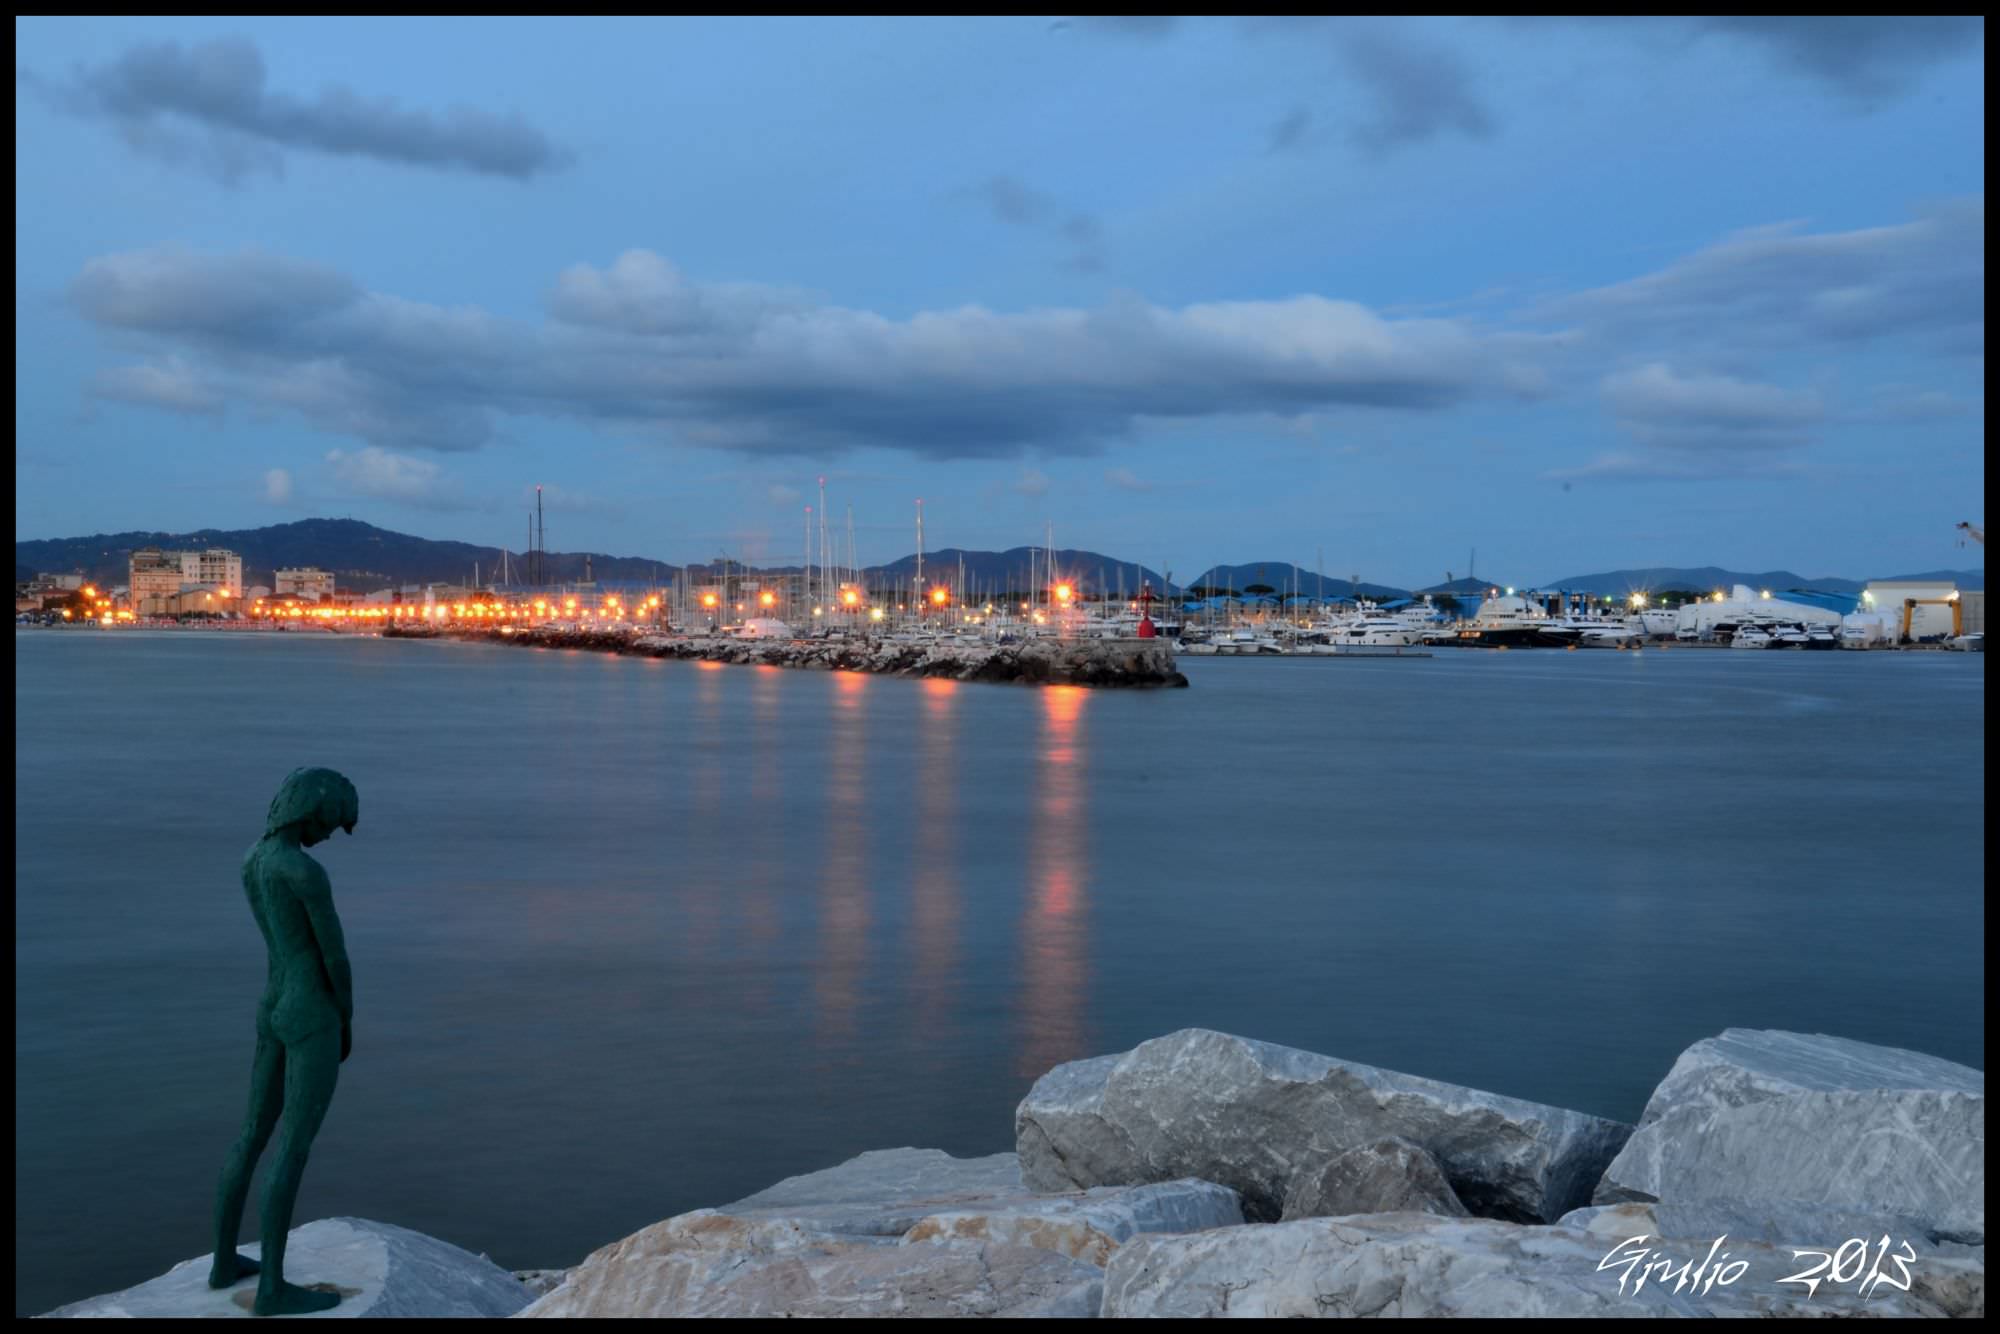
1579, 294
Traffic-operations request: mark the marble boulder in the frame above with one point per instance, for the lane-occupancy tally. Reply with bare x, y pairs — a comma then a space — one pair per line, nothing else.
1780, 1123
1252, 1115
1386, 1177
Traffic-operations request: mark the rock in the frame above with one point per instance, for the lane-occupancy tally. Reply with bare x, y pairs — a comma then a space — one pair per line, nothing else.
1783, 1122
541, 1281
978, 1242
919, 1195
710, 1264
379, 1269
1090, 1225
1386, 1177
1422, 1265
1250, 1115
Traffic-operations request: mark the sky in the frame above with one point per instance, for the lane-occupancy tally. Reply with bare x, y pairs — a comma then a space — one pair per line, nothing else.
1372, 295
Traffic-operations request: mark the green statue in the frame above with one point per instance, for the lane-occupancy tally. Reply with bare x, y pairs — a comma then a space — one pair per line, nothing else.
304, 1029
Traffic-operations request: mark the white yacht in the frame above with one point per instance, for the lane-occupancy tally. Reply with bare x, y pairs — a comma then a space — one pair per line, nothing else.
1377, 632
1751, 636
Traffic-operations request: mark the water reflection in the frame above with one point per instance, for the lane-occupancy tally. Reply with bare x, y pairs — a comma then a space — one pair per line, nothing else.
843, 916
700, 903
934, 913
1055, 962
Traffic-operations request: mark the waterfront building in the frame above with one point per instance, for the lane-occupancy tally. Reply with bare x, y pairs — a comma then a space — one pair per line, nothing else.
306, 583
1931, 618
155, 574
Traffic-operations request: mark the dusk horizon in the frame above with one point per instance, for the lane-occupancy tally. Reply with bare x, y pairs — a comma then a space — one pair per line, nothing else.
1185, 290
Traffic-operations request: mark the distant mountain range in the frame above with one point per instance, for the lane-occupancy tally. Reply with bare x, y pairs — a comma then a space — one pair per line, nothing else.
364, 557
1702, 578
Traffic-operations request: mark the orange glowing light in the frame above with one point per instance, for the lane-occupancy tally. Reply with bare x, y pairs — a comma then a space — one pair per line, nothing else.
850, 597
1064, 592
939, 596
768, 599
708, 599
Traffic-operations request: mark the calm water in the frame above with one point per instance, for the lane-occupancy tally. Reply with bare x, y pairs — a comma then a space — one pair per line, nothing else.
633, 937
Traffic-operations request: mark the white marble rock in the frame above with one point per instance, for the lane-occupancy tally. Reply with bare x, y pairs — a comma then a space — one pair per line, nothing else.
1250, 1115
1786, 1122
380, 1270
1384, 1177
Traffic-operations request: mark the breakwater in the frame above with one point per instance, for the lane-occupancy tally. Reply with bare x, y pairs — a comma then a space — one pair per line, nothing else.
1128, 663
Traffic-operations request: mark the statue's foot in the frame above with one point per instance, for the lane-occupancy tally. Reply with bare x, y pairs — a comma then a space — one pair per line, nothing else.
229, 1269
291, 1299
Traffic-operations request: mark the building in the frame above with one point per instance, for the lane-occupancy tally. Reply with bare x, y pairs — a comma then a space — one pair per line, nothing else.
154, 575
215, 566
1930, 619
157, 575
307, 583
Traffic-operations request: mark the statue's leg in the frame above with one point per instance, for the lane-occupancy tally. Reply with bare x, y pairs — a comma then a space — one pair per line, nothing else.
312, 1064
267, 1095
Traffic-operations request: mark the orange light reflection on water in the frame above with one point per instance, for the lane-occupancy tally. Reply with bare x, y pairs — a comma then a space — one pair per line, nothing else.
1055, 957
934, 914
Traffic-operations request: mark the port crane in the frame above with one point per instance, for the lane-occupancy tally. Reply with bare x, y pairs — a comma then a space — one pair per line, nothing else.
1976, 534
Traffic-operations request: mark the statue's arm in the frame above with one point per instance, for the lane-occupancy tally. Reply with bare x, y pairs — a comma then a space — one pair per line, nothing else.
316, 894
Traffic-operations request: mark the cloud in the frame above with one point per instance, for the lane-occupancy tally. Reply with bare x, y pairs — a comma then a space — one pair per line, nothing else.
1020, 205
781, 494
1661, 407
1778, 285
1864, 57
1289, 130
1657, 467
379, 474
170, 385
679, 361
278, 486
1420, 90
1033, 483
1011, 201
207, 106
1126, 480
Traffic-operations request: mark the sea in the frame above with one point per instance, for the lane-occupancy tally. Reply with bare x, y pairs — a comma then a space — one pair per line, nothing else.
633, 937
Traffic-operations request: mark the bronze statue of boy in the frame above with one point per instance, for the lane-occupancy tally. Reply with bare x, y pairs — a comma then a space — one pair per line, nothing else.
304, 1029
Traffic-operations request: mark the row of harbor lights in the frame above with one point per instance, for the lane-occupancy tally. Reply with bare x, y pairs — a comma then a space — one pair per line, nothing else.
851, 600
542, 609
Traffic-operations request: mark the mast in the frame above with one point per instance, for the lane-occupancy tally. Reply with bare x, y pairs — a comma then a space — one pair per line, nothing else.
541, 540
806, 560
920, 557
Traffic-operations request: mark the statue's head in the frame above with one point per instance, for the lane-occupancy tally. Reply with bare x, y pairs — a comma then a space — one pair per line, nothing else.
317, 802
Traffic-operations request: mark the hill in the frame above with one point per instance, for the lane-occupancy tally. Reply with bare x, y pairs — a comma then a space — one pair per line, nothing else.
1279, 576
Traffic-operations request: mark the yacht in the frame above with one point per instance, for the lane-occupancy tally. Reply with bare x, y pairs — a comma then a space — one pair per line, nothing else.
1585, 630
1751, 636
1972, 643
1505, 622
1377, 632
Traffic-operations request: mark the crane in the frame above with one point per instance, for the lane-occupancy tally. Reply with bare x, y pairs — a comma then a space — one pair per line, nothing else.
1976, 534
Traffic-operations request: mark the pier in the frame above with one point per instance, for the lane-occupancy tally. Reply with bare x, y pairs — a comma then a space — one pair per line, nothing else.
1048, 660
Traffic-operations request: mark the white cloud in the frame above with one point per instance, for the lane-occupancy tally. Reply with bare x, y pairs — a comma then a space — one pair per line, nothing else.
380, 474
278, 486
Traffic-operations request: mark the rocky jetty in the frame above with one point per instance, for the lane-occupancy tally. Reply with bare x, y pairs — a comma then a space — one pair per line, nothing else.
1044, 661
1771, 1174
